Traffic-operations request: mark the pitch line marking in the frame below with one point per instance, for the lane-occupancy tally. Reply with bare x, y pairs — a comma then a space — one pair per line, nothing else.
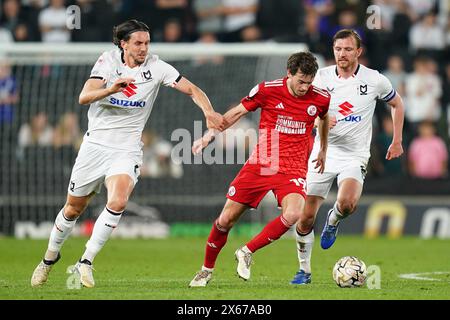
422, 275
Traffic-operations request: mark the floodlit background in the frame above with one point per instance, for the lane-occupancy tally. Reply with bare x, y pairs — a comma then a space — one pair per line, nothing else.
225, 47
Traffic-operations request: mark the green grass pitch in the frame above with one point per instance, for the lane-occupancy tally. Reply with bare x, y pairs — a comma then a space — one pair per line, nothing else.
162, 269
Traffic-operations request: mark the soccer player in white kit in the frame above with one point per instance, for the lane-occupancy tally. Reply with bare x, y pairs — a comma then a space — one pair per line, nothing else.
354, 90
121, 91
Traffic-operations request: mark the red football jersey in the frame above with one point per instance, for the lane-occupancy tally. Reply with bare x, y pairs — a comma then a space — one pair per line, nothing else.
285, 126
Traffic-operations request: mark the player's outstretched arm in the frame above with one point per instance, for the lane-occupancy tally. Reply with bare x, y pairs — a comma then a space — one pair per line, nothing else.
395, 150
214, 120
94, 89
324, 127
231, 117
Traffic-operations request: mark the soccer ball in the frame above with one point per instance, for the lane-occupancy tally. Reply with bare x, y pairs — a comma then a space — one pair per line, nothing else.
350, 272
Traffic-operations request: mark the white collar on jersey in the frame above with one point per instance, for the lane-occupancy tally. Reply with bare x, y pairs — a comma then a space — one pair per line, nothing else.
353, 75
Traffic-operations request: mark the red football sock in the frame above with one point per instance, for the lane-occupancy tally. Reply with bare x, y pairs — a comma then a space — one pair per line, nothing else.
216, 240
271, 232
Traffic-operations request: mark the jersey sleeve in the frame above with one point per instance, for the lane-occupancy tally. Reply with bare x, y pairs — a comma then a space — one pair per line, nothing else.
170, 75
317, 82
384, 89
255, 98
102, 68
325, 107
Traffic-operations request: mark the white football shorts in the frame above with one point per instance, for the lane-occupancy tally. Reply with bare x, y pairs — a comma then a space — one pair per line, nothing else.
319, 184
95, 163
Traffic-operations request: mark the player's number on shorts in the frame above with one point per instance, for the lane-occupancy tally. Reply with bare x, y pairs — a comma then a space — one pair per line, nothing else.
299, 182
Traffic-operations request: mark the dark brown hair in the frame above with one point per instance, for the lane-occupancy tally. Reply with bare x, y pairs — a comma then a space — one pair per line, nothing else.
304, 62
347, 33
124, 30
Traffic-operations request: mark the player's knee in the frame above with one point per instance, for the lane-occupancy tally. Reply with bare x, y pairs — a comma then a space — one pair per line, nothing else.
73, 211
292, 216
118, 204
227, 220
306, 221
347, 205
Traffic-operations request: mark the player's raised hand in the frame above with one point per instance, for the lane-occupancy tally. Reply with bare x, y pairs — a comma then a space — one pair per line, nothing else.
215, 120
395, 150
320, 161
120, 84
201, 143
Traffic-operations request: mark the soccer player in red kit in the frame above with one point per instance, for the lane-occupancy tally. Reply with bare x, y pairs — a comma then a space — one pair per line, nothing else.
289, 107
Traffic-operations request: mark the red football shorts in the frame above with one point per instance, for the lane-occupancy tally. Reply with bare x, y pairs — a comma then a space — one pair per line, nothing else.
250, 186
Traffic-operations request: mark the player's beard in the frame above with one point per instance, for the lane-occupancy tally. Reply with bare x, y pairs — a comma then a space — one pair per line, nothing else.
346, 64
139, 58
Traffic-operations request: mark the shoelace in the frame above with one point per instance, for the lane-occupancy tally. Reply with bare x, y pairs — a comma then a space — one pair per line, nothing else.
248, 259
201, 275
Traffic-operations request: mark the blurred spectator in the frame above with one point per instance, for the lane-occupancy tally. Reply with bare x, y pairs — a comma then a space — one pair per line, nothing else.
283, 26
387, 11
420, 7
239, 14
347, 19
428, 154
209, 16
251, 34
387, 168
396, 74
208, 38
52, 22
427, 34
36, 133
157, 162
67, 131
171, 9
94, 26
173, 31
8, 94
311, 34
12, 19
5, 36
423, 91
446, 99
32, 9
399, 40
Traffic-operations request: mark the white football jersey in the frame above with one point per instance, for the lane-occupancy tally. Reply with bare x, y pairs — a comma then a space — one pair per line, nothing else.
117, 120
353, 103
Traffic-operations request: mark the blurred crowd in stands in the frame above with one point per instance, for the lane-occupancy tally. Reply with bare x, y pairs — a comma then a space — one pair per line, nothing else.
411, 48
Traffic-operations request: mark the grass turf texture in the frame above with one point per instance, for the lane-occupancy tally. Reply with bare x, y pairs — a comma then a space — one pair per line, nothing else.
162, 269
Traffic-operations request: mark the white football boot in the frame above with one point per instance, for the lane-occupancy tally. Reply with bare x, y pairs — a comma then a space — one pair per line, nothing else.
201, 279
244, 260
84, 270
40, 274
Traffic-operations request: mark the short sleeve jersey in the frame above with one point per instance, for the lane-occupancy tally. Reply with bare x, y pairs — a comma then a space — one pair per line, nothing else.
285, 125
117, 120
353, 103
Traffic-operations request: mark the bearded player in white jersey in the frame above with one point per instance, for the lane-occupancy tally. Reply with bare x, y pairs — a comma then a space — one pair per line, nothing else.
354, 90
121, 91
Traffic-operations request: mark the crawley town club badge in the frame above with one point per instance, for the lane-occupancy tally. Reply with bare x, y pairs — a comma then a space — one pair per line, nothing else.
312, 110
232, 191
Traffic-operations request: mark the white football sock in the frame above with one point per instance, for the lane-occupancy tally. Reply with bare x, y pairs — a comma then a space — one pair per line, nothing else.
335, 216
246, 249
304, 249
207, 269
60, 232
104, 226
